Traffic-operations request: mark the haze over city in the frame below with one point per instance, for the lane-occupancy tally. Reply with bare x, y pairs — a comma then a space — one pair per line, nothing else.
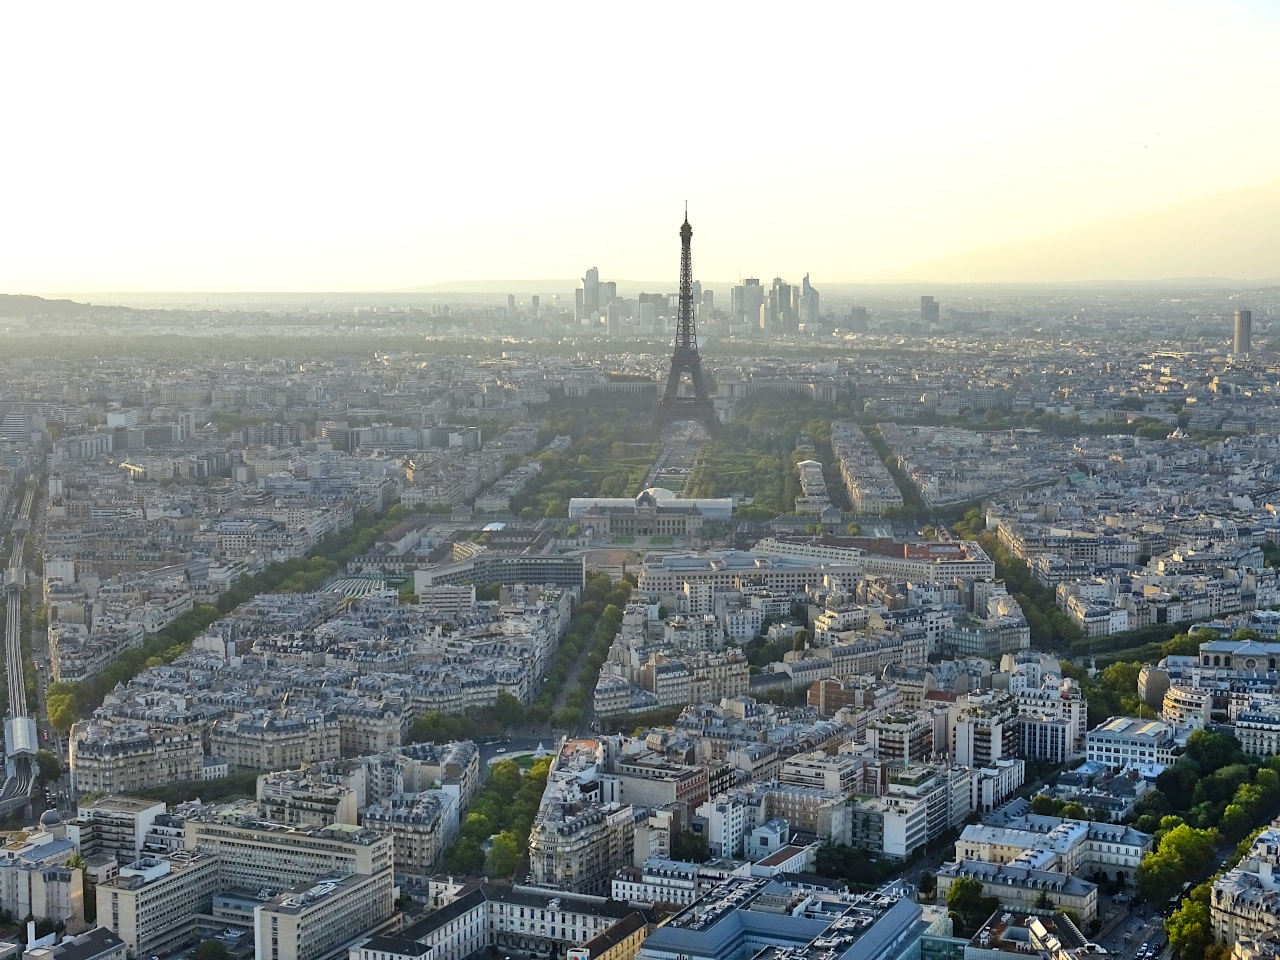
303, 147
652, 482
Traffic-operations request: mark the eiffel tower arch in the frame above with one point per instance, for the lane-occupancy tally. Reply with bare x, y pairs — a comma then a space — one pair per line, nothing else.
695, 403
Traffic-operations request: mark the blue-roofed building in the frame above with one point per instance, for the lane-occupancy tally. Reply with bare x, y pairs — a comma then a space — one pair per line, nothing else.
769, 920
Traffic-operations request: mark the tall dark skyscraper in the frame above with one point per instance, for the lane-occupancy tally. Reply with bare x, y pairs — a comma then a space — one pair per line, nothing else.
929, 312
1243, 331
685, 359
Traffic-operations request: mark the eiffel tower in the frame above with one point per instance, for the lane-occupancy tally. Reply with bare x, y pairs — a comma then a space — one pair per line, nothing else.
684, 358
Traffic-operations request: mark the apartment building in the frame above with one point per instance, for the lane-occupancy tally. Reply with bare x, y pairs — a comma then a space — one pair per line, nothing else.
901, 738
122, 757
893, 560
1057, 698
812, 809
255, 854
1257, 726
578, 850
984, 729
1128, 742
307, 797
1185, 706
314, 919
421, 827
919, 804
663, 576
1243, 904
277, 742
99, 943
726, 818
620, 942
152, 903
116, 826
841, 773
1024, 887
35, 880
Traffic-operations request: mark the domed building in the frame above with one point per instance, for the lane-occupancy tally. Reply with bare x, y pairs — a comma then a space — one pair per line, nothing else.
653, 512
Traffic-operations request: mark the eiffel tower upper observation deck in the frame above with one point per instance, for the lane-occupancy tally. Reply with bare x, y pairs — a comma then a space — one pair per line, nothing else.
696, 404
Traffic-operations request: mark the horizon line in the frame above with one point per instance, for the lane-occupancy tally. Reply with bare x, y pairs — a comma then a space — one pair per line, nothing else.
500, 286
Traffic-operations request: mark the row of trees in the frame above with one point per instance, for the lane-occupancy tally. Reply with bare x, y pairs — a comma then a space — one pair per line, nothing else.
755, 454
504, 714
1181, 854
1215, 785
608, 457
68, 701
591, 631
583, 650
500, 819
1050, 625
1214, 792
1051, 628
913, 502
1189, 927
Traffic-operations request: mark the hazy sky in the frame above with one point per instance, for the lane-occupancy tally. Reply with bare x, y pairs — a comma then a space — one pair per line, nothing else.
314, 146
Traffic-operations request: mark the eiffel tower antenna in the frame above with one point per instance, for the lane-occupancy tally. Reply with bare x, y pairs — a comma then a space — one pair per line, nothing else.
685, 359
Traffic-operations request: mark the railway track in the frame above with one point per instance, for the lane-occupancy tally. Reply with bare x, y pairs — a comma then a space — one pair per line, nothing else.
16, 791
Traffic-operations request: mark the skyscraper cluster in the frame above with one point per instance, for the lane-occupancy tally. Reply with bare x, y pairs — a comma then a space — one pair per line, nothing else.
782, 308
592, 298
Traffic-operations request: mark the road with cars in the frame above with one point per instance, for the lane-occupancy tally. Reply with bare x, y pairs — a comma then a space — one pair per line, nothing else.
1139, 937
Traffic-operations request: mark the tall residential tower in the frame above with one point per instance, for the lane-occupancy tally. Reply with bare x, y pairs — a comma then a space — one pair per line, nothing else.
1243, 332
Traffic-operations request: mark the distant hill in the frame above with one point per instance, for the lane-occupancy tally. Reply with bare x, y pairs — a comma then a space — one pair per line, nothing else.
24, 305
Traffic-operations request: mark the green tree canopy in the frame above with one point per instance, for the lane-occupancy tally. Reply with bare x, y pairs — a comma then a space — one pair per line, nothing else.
211, 950
1183, 854
1189, 929
969, 907
62, 711
689, 847
1073, 811
504, 856
507, 710
1212, 750
50, 767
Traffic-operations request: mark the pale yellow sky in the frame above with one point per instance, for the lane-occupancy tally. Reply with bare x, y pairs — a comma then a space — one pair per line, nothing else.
317, 146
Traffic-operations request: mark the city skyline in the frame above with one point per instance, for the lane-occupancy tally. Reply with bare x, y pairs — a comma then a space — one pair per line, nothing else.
935, 146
